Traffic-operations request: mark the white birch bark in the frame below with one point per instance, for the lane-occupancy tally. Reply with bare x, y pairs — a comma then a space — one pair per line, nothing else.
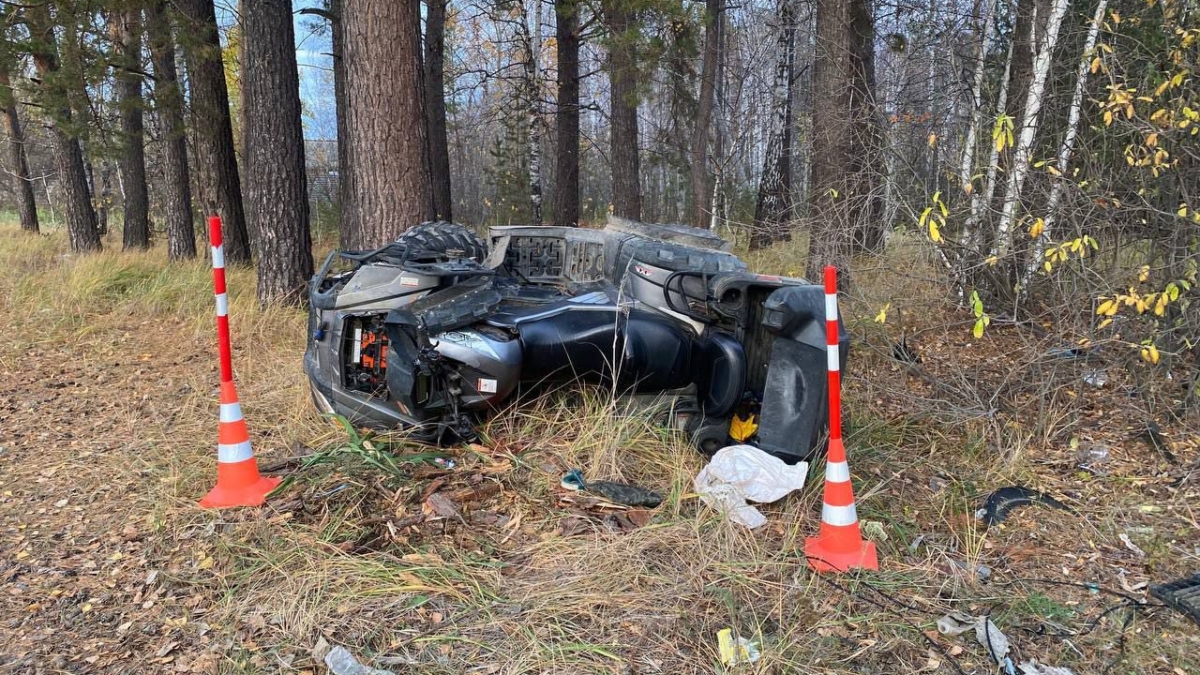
1068, 145
533, 43
967, 167
981, 198
1028, 131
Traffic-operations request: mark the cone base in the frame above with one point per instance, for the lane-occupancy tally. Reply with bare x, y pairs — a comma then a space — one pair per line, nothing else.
822, 559
254, 494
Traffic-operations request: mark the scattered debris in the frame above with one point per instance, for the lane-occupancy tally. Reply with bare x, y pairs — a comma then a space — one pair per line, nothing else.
737, 650
1131, 546
741, 473
937, 484
618, 493
1182, 595
1067, 353
981, 572
342, 662
1093, 457
903, 352
1095, 378
1032, 667
874, 530
955, 623
1000, 502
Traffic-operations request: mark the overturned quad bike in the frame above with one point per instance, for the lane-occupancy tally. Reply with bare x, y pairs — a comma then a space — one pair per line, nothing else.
438, 329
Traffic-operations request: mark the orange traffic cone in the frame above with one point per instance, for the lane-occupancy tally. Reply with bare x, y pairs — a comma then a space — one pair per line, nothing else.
238, 480
839, 545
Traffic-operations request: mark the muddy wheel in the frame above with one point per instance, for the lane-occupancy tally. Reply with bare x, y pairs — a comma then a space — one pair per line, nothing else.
446, 238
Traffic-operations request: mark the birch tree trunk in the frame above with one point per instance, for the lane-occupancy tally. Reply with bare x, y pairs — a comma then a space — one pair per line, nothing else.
774, 202
980, 199
701, 206
1028, 130
1064, 153
533, 44
967, 168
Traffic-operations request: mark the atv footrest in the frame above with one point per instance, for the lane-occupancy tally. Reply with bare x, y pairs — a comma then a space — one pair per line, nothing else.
1182, 595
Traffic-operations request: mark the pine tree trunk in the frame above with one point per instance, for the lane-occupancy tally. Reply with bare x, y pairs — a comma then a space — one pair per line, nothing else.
435, 108
845, 205
216, 161
700, 174
276, 188
127, 30
622, 77
18, 164
77, 201
168, 99
566, 171
381, 53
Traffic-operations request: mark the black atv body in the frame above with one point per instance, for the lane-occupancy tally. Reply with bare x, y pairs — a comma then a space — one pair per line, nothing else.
433, 332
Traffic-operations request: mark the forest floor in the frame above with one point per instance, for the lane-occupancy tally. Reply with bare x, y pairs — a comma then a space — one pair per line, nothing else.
108, 382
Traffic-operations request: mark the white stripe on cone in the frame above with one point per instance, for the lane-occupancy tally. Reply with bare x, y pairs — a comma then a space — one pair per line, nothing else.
833, 357
839, 515
231, 412
837, 472
830, 307
222, 304
237, 452
218, 256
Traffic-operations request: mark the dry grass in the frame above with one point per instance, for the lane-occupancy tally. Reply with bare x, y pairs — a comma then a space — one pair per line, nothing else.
523, 584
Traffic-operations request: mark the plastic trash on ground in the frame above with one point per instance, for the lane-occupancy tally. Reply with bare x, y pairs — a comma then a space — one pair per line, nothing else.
741, 473
736, 650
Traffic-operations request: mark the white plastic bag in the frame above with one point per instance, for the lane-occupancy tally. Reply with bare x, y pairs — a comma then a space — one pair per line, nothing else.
742, 473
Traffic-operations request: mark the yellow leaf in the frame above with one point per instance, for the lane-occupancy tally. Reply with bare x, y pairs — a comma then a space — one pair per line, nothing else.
1161, 306
1039, 226
741, 429
1050, 169
1104, 324
1107, 308
968, 187
206, 563
934, 233
932, 140
1095, 65
992, 260
1150, 354
1144, 274
1108, 118
881, 317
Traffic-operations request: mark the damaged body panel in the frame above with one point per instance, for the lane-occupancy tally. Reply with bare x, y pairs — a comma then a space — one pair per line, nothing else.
438, 329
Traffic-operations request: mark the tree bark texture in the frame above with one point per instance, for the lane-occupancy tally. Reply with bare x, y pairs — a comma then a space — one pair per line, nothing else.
72, 176
168, 99
435, 108
566, 117
390, 193
845, 204
276, 187
622, 76
774, 205
127, 29
18, 163
700, 173
216, 162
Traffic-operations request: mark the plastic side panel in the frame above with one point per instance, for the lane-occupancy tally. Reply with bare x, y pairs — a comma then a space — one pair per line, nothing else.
793, 408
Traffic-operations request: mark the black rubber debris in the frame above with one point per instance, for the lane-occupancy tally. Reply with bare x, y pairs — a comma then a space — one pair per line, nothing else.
1182, 595
1000, 502
618, 493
